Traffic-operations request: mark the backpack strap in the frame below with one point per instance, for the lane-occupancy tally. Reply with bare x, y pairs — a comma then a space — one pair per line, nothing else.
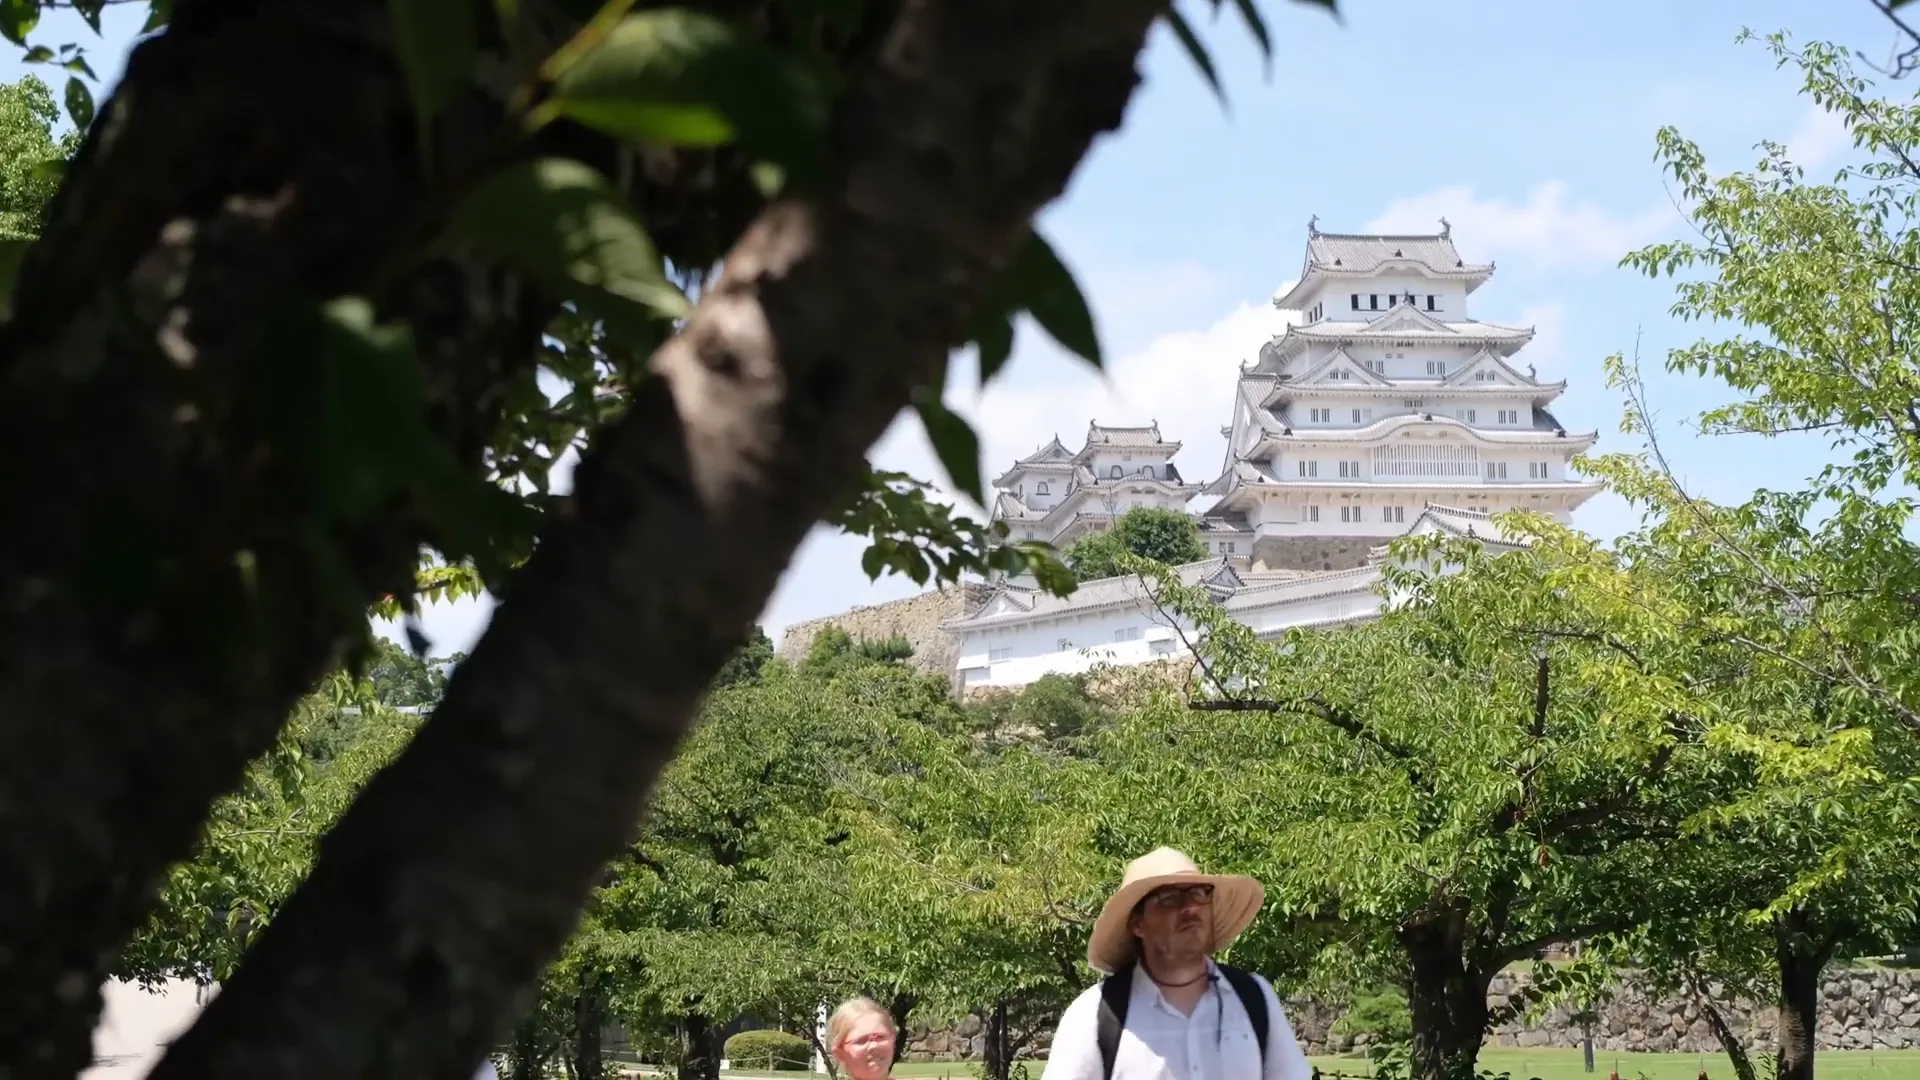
1116, 992
1253, 1000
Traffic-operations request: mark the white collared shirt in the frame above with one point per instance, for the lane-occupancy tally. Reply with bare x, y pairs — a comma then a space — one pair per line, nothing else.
1159, 1042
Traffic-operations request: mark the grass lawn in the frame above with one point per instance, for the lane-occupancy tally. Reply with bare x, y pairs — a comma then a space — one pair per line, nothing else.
1556, 1065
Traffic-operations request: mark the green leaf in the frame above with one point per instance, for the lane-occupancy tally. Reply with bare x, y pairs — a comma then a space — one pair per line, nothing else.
1039, 282
158, 16
18, 18
438, 49
90, 11
39, 54
79, 103
12, 254
562, 223
953, 441
992, 333
1257, 26
675, 76
1197, 52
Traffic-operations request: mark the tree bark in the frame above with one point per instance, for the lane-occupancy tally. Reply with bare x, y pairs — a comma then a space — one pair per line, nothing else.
1447, 999
589, 1024
1801, 959
900, 1006
701, 1060
441, 895
1730, 1043
247, 158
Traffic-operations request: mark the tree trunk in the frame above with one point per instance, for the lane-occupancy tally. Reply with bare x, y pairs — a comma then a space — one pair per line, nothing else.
900, 1006
701, 1057
246, 158
1448, 1002
1730, 1043
589, 1024
445, 890
1801, 960
993, 1054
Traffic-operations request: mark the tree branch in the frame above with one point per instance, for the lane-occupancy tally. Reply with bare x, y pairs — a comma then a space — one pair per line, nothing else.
443, 892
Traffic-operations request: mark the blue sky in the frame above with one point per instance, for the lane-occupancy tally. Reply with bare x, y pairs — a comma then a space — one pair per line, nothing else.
1529, 125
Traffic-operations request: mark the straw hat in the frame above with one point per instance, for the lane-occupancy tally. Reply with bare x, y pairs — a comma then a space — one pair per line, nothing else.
1236, 900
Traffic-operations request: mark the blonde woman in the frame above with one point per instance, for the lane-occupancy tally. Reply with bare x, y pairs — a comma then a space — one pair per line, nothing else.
861, 1036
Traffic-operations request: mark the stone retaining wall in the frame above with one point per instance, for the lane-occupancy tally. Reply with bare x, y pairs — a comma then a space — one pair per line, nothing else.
1860, 1009
916, 618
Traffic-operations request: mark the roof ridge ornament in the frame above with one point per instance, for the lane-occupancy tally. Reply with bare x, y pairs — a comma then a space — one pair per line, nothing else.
1313, 225
1446, 229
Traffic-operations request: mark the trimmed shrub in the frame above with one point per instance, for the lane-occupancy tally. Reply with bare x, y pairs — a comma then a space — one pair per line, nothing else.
769, 1050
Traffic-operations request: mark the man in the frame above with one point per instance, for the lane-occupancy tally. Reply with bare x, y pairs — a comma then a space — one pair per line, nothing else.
1166, 1010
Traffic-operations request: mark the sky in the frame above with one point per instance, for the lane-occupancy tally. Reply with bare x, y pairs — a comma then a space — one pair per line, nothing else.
1530, 126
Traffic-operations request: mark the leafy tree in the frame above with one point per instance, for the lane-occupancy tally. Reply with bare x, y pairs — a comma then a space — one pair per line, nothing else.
1503, 762
28, 156
1054, 708
1165, 536
313, 342
1818, 279
748, 662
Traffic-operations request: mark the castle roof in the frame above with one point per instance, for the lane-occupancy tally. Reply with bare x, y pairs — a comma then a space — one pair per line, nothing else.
1363, 254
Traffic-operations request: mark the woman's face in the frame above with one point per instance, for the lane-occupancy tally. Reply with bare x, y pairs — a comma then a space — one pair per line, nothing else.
867, 1050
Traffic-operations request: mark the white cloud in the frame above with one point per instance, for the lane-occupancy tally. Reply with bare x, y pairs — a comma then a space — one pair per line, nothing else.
1546, 227
1821, 137
1548, 349
1182, 379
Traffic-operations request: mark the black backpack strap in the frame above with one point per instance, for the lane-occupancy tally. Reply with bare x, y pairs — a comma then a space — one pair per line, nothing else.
1116, 992
1251, 999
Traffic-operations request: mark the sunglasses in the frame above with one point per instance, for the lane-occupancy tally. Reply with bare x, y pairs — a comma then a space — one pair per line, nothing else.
1176, 897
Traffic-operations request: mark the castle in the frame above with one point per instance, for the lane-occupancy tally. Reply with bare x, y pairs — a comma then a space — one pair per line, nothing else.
1386, 411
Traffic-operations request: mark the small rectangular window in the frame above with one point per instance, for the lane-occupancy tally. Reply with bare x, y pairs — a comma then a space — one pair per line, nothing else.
1496, 470
1127, 633
1436, 367
1509, 416
1373, 301
1309, 469
1378, 367
1393, 513
1230, 547
1313, 513
1003, 652
1356, 301
1430, 302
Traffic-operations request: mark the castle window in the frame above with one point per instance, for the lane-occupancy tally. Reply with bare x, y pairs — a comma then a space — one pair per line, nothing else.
1430, 302
1041, 488
1146, 471
1003, 652
1313, 513
1393, 514
1509, 416
1373, 301
1356, 301
1536, 470
1116, 472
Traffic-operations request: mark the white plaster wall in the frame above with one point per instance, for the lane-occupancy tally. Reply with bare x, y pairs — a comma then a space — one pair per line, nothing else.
1035, 649
136, 1025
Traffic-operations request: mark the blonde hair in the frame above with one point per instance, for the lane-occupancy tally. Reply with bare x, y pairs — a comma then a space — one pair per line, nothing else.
852, 1011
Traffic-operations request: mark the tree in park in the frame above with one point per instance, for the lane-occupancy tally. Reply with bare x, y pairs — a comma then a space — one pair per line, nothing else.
1165, 536
28, 153
284, 332
1820, 581
1505, 761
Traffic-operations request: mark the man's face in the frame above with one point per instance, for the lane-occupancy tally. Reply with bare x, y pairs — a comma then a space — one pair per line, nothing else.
1176, 920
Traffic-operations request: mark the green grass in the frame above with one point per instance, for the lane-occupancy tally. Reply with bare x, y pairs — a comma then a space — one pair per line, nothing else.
1546, 1064
1557, 1064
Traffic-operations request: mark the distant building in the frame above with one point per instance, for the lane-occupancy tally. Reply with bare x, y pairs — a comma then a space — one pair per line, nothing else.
1388, 398
1386, 412
1058, 495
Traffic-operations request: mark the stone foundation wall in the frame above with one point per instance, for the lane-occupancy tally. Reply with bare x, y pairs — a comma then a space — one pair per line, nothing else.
1313, 552
916, 618
1860, 1009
